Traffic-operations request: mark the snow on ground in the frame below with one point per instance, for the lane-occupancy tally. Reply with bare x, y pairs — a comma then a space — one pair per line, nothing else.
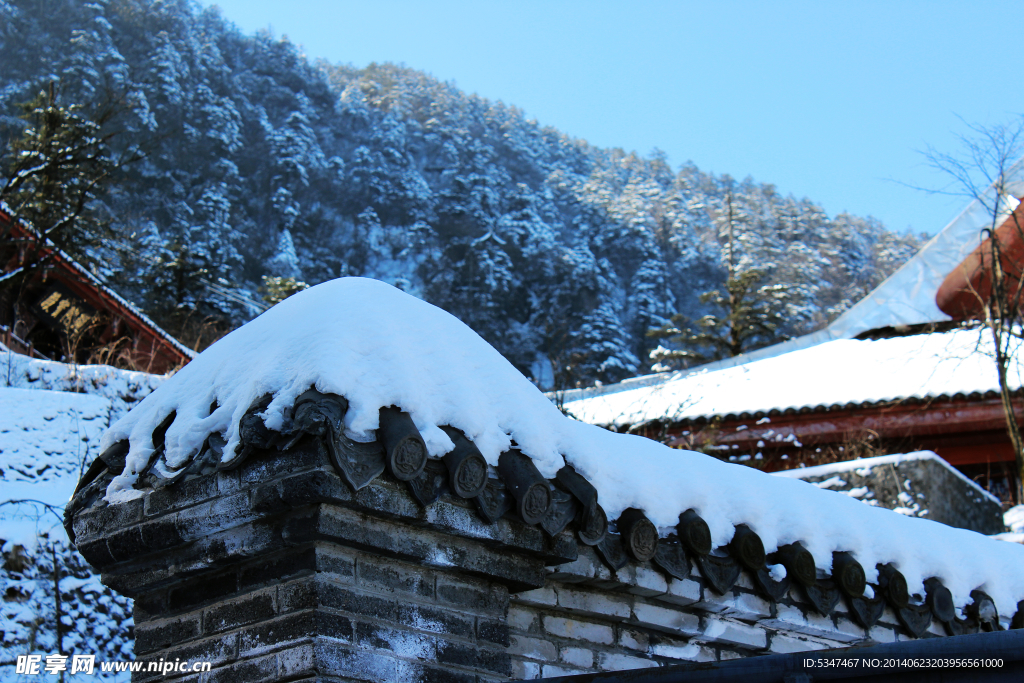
378, 346
47, 438
836, 373
124, 388
52, 416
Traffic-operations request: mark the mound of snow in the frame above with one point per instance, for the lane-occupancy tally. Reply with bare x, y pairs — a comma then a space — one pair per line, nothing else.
378, 346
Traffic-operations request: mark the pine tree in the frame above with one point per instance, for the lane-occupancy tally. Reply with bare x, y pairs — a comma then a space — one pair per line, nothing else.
55, 171
751, 313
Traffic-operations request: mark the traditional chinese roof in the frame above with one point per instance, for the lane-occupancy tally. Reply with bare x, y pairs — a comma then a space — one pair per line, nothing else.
905, 299
391, 386
840, 374
90, 287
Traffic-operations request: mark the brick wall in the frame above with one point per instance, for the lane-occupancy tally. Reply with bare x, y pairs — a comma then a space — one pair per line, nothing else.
588, 618
279, 571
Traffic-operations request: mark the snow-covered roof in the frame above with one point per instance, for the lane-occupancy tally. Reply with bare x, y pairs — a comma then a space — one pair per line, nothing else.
377, 347
905, 298
839, 373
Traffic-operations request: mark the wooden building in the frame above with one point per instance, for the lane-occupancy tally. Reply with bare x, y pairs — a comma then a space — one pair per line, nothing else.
64, 312
902, 370
843, 399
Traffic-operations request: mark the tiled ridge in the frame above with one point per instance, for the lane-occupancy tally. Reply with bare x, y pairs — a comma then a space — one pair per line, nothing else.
515, 488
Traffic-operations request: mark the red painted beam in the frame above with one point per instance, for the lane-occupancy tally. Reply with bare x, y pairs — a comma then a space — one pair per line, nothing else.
963, 432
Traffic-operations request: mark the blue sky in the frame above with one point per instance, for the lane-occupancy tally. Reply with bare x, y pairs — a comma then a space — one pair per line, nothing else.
835, 101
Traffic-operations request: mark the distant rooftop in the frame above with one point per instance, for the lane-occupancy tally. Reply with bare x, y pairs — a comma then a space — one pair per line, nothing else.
835, 374
904, 299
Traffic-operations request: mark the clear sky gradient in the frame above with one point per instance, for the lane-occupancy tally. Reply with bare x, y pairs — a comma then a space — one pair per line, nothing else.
835, 101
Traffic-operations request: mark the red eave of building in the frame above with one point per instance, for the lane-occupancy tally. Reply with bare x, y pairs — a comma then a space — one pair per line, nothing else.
963, 431
963, 293
90, 289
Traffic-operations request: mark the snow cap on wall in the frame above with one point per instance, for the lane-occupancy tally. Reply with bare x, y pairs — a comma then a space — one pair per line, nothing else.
377, 347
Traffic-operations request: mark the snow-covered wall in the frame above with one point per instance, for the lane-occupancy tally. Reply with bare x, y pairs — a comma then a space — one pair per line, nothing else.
376, 347
919, 484
278, 570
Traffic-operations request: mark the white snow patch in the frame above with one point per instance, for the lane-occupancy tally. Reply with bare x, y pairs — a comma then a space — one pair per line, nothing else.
1014, 518
378, 346
916, 366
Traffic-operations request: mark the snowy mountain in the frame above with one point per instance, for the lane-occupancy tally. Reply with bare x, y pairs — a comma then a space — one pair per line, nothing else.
259, 162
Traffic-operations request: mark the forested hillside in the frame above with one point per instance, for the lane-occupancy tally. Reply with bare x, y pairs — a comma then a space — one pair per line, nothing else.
251, 160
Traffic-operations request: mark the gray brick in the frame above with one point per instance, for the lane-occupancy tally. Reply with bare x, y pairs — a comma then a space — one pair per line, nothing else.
681, 592
296, 661
521, 618
216, 650
415, 671
272, 569
216, 515
882, 634
592, 602
338, 562
182, 494
477, 596
240, 611
294, 627
850, 632
633, 640
261, 468
784, 644
250, 670
333, 659
579, 630
681, 650
228, 482
401, 642
791, 619
666, 619
553, 670
577, 656
539, 596
525, 671
474, 657
155, 635
533, 648
612, 661
734, 633
584, 567
435, 620
206, 589
391, 577
747, 606
649, 583
492, 631
354, 602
